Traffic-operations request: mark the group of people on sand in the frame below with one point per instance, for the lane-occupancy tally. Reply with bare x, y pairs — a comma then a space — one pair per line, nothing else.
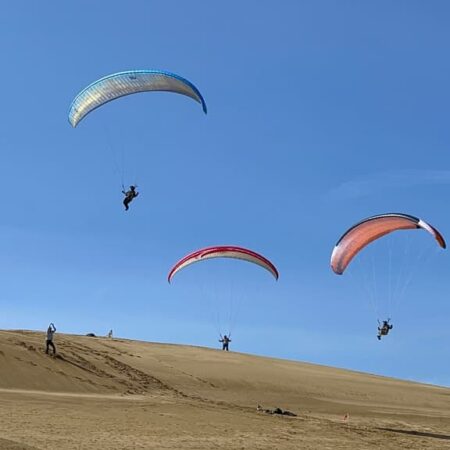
51, 332
383, 330
52, 329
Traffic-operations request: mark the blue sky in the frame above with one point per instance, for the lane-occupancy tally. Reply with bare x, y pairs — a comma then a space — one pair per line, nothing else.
320, 113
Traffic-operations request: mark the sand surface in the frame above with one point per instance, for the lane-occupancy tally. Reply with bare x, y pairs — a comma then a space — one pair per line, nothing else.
99, 393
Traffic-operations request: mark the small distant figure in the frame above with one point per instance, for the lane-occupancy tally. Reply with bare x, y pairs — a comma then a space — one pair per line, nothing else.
283, 412
225, 342
346, 417
383, 330
129, 196
277, 410
110, 334
49, 341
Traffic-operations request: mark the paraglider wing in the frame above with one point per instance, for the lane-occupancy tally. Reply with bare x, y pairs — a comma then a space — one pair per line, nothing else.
223, 252
368, 230
120, 84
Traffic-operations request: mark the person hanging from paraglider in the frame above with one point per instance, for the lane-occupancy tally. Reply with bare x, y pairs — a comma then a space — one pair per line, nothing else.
225, 342
129, 196
383, 329
368, 230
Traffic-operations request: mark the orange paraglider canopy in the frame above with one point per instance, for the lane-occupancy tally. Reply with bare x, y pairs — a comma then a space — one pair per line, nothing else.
368, 230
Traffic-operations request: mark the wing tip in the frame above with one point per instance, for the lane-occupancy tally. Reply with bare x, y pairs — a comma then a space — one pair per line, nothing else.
71, 121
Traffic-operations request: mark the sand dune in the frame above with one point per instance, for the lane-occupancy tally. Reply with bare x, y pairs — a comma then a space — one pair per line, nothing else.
122, 394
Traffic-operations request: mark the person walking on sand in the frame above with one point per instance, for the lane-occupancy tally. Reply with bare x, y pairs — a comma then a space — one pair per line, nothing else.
225, 342
49, 341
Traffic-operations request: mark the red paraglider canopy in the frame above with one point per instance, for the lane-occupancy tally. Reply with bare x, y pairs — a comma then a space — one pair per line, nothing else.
223, 251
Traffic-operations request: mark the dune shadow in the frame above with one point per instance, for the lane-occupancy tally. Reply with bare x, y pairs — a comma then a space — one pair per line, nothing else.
6, 444
445, 437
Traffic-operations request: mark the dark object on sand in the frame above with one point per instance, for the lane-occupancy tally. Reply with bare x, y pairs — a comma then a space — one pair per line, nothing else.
277, 410
91, 335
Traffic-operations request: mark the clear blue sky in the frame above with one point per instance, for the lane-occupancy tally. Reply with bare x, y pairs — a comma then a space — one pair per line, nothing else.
320, 113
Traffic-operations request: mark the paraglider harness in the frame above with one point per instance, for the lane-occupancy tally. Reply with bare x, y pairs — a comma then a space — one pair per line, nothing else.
383, 330
129, 195
225, 341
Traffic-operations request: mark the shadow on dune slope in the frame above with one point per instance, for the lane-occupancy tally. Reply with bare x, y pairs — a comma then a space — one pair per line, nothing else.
445, 437
6, 444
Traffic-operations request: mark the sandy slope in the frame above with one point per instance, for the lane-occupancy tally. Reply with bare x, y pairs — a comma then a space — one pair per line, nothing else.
120, 394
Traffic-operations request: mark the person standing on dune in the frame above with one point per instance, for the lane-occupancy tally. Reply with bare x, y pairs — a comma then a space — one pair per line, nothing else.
49, 341
225, 342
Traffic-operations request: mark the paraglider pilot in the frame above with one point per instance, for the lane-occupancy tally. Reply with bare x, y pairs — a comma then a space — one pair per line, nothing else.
225, 341
129, 196
384, 329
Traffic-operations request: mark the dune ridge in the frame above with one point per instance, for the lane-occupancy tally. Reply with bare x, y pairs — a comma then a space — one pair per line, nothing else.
117, 393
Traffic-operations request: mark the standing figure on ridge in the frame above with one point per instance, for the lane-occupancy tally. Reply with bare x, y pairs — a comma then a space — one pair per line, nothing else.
49, 341
225, 342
